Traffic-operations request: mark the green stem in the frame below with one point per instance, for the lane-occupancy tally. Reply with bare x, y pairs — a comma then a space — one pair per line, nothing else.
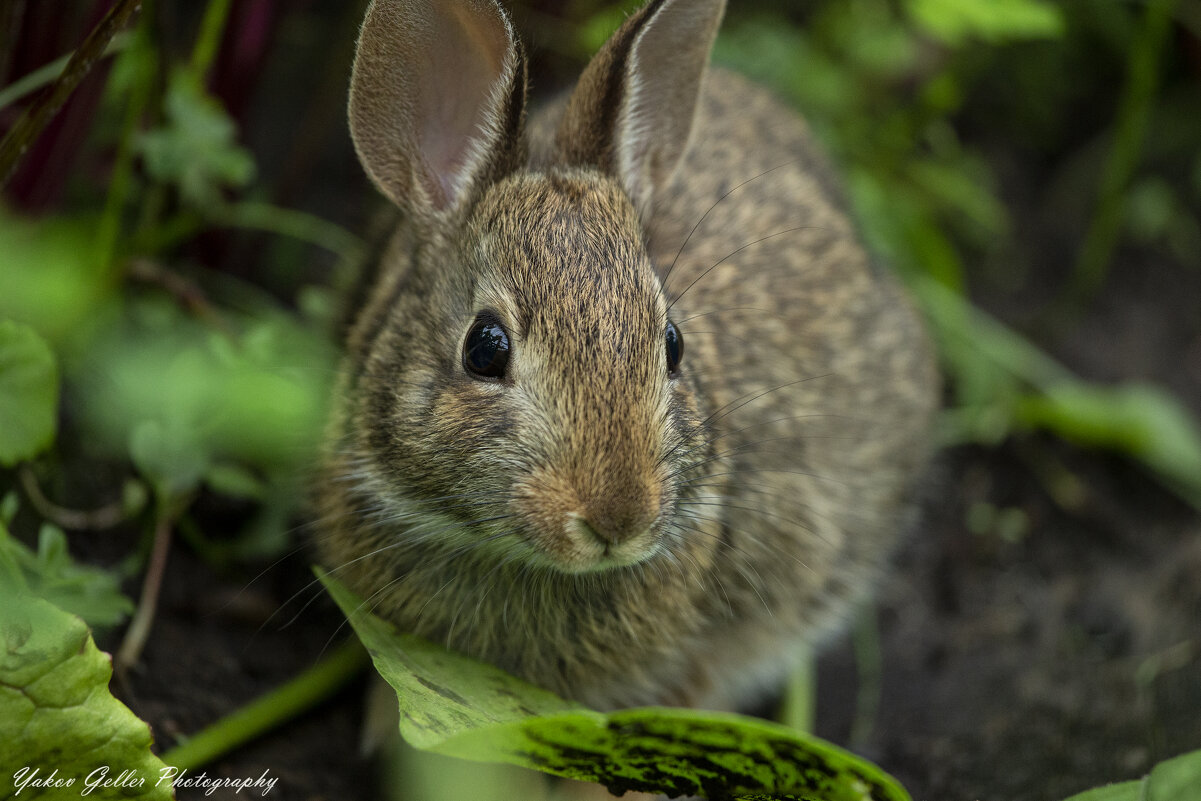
122, 174
865, 637
1134, 114
211, 29
800, 695
290, 223
316, 684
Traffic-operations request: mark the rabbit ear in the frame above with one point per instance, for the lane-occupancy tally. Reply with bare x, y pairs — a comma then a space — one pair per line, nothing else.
633, 109
437, 99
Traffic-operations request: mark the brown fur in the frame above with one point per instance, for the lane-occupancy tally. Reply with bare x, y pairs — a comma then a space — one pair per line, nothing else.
588, 522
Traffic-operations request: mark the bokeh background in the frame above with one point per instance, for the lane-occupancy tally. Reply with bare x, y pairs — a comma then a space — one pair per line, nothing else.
178, 240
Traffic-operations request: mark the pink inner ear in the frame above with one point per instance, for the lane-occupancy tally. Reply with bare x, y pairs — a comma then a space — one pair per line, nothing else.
465, 62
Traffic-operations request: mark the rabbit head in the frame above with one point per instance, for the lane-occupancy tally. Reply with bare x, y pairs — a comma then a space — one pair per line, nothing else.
519, 388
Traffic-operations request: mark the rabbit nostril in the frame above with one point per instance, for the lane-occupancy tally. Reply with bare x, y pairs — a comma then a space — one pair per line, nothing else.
589, 532
608, 530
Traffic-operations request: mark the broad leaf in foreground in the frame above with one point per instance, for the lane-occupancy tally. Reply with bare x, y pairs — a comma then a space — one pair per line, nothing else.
57, 717
454, 705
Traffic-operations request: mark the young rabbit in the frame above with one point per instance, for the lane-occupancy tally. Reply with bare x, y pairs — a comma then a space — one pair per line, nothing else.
627, 409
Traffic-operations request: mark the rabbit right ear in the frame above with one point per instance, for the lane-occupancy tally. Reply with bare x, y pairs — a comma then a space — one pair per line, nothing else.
437, 99
632, 112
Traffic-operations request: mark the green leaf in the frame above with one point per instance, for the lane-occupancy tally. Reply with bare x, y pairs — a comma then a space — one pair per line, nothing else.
453, 705
197, 149
48, 275
235, 481
172, 457
956, 21
56, 713
1139, 420
28, 393
1176, 779
1173, 780
1126, 791
51, 574
181, 398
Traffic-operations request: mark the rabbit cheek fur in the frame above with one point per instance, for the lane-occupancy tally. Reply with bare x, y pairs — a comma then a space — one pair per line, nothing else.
591, 521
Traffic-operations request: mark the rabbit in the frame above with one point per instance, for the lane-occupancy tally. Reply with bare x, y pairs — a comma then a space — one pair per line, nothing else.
627, 409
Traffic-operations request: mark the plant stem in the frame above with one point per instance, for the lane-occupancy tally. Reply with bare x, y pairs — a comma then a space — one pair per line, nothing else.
106, 516
305, 691
865, 636
291, 223
211, 29
31, 124
1134, 113
32, 81
800, 695
122, 172
139, 628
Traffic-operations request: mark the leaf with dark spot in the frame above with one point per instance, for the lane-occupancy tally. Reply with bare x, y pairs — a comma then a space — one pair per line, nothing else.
454, 705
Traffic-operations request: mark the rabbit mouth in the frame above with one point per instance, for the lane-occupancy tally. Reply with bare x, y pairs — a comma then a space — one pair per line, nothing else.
584, 547
574, 528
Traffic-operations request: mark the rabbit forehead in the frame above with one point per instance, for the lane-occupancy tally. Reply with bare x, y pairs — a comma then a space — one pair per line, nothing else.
564, 253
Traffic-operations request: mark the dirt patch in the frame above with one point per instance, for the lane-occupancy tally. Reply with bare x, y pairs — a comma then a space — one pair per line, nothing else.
1041, 667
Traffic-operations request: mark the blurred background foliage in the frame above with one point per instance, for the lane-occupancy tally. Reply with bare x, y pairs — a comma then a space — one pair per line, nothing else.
174, 244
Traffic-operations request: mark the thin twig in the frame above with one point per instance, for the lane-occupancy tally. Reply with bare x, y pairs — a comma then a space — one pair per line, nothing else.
139, 628
186, 292
106, 516
38, 116
47, 73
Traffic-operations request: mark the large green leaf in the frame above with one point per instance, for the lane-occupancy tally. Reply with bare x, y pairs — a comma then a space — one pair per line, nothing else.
28, 393
1176, 779
57, 718
454, 705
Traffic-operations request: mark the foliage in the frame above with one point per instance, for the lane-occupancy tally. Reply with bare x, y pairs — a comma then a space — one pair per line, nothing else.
929, 203
55, 708
196, 148
92, 593
28, 393
1004, 384
1174, 780
134, 323
957, 21
453, 705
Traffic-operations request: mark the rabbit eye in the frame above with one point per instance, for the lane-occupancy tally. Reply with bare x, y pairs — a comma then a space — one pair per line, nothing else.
675, 349
486, 349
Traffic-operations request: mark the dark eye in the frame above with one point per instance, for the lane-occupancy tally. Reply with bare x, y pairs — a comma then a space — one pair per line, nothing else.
675, 349
486, 349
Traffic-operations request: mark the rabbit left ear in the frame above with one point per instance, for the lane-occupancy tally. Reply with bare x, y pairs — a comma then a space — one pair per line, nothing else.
436, 100
632, 112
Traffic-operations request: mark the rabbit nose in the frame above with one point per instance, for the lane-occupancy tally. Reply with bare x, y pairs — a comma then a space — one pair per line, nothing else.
613, 523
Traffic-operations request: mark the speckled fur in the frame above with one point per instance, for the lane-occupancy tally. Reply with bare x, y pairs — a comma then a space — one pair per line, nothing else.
756, 495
